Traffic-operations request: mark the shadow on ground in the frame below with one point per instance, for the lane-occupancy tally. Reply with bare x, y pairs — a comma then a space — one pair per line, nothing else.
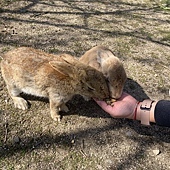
137, 33
90, 109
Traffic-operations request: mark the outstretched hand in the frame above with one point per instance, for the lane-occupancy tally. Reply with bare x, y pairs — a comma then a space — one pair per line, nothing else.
123, 108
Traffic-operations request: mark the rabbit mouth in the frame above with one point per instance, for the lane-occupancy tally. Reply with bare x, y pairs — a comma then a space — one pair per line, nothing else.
110, 101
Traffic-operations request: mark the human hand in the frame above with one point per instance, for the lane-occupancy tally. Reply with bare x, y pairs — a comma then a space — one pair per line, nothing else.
122, 108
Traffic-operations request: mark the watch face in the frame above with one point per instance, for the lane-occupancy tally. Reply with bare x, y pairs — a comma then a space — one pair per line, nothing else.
146, 105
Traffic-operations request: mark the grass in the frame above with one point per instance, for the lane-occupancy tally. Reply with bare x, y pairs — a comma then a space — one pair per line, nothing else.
165, 4
87, 138
7, 2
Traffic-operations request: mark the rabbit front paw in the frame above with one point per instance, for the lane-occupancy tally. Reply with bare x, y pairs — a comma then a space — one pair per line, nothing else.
20, 103
56, 117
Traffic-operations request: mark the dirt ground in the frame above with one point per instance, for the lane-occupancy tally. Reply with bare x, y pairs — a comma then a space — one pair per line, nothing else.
87, 138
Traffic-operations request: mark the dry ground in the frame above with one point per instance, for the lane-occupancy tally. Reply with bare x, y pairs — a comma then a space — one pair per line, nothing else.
87, 138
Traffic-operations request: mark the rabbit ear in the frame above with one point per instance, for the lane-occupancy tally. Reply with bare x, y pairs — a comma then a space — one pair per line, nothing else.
62, 67
68, 58
75, 65
68, 66
102, 56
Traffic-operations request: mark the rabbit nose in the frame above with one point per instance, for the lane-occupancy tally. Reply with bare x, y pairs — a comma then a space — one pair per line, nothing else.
113, 95
116, 96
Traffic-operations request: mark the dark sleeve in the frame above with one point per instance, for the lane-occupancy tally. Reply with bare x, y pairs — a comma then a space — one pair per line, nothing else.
162, 113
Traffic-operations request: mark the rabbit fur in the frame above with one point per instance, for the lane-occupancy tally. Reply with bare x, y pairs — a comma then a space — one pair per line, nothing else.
102, 59
57, 77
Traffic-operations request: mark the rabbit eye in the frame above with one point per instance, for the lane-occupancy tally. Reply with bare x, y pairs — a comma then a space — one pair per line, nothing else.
91, 88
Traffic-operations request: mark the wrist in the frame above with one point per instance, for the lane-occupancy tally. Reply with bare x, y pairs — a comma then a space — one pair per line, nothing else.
149, 112
133, 114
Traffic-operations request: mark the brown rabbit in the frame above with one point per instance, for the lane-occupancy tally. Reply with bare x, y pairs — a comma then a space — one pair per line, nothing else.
57, 77
102, 59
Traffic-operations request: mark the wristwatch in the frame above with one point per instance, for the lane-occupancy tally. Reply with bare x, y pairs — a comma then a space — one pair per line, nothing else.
145, 111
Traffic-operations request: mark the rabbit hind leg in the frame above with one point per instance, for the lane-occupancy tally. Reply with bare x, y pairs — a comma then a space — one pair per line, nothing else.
19, 102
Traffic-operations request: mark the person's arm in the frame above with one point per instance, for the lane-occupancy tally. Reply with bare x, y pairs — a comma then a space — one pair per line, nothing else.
128, 107
159, 112
162, 113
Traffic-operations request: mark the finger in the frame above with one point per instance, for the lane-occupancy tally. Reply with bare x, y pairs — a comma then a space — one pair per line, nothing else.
105, 106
